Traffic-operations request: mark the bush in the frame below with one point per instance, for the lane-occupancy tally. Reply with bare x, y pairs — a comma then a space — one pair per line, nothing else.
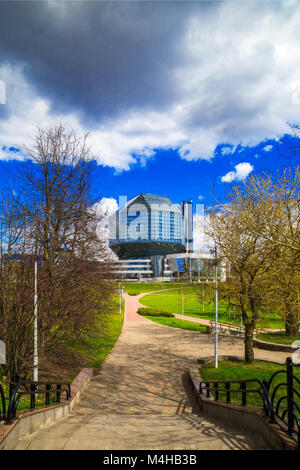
154, 312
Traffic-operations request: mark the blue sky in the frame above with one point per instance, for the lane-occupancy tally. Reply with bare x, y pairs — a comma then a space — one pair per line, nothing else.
168, 174
178, 98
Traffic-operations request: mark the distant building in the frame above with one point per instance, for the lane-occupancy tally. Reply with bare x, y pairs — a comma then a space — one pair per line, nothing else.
149, 225
153, 239
177, 266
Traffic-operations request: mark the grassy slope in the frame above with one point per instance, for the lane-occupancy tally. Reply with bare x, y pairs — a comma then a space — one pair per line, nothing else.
177, 323
94, 349
238, 370
135, 288
171, 301
89, 352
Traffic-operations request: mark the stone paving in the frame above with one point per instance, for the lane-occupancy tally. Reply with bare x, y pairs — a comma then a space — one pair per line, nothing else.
142, 398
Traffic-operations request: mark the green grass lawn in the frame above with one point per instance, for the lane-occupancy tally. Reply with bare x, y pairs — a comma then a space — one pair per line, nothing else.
24, 403
95, 348
135, 288
239, 370
278, 337
171, 301
177, 323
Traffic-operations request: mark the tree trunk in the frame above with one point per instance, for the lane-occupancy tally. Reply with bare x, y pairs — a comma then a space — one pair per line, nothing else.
249, 353
291, 317
291, 326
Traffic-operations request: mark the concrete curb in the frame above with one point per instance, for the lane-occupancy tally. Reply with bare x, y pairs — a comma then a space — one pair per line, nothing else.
246, 418
273, 346
29, 422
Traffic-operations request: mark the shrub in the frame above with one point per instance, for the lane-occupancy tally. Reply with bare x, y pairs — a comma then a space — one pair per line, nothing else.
133, 292
154, 312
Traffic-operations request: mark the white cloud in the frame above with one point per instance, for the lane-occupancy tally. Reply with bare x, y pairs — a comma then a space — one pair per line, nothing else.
231, 84
202, 242
105, 208
242, 170
116, 143
267, 148
227, 149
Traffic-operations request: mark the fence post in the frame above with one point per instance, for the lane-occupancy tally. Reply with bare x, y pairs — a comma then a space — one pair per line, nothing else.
58, 389
216, 385
227, 386
244, 396
32, 395
48, 387
268, 405
290, 394
11, 387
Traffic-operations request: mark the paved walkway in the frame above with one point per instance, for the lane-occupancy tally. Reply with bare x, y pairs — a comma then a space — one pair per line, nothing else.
202, 321
142, 398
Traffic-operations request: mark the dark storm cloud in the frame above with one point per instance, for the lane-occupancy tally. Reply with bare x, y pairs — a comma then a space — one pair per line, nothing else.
140, 76
95, 57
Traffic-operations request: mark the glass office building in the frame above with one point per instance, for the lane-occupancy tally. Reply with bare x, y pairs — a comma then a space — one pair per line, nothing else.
148, 225
153, 239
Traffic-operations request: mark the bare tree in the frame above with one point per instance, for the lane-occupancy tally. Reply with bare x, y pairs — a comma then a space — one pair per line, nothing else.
16, 279
55, 211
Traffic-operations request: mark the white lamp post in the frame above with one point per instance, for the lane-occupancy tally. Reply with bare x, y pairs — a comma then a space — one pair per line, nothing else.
121, 292
35, 327
216, 307
182, 303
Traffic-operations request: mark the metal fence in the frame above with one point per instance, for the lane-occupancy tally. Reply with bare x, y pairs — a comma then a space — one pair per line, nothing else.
39, 393
229, 328
2, 404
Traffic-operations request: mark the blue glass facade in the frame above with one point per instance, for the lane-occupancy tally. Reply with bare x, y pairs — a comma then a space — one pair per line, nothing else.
148, 225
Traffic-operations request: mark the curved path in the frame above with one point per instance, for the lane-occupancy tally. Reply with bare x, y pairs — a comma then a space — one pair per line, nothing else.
142, 399
198, 319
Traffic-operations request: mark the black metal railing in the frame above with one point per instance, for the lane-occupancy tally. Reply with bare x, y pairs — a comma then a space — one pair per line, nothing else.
285, 407
232, 328
39, 393
215, 387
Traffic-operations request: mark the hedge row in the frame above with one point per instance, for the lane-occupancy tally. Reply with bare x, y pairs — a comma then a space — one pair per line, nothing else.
154, 312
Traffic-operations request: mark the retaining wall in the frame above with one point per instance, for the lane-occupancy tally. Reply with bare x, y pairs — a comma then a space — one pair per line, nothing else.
246, 418
273, 346
28, 422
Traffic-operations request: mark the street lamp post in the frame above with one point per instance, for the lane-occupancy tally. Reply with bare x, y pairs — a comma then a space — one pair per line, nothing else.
216, 307
35, 326
121, 292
